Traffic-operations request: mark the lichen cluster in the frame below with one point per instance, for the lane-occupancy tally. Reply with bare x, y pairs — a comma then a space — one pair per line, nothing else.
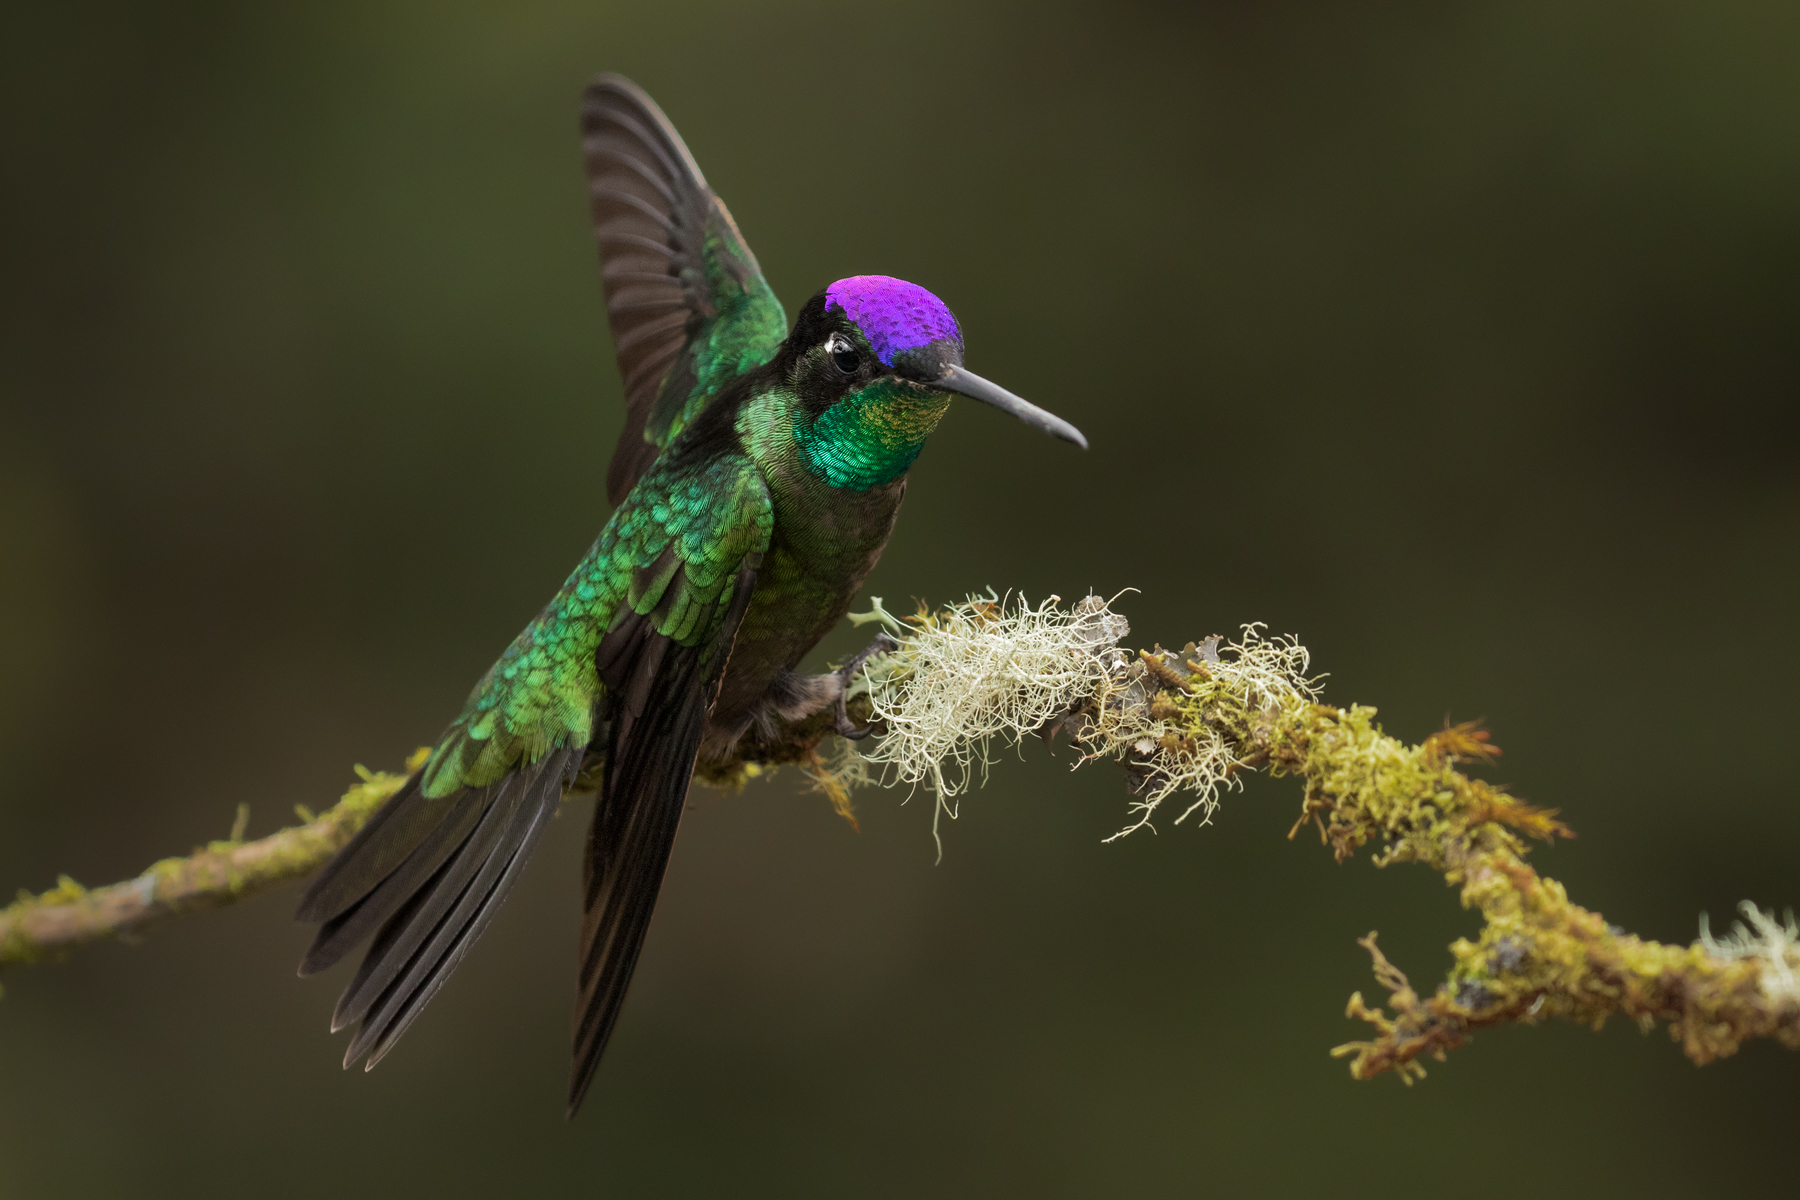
974, 672
992, 670
1178, 720
1774, 946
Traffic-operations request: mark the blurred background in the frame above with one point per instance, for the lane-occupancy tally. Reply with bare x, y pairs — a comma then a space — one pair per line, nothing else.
1459, 340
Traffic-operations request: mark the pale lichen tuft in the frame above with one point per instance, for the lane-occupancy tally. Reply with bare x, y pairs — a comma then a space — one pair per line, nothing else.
1773, 945
991, 668
972, 672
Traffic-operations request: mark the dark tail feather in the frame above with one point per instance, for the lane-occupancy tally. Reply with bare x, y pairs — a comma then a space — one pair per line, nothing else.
465, 908
456, 818
431, 875
378, 847
423, 905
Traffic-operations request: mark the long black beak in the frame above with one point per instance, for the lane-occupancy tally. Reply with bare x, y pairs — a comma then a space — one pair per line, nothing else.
966, 383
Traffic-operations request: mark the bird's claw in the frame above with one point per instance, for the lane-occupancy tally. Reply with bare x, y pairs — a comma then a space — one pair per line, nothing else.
883, 643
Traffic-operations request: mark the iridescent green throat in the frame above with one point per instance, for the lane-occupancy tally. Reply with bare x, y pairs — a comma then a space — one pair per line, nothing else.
872, 436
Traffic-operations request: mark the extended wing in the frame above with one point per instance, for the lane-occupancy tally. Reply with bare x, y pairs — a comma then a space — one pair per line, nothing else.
629, 654
661, 663
688, 305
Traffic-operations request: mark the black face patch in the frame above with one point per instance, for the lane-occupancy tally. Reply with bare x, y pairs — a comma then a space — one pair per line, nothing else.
828, 358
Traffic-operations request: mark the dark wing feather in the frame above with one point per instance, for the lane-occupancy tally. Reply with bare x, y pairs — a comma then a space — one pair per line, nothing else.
666, 692
686, 300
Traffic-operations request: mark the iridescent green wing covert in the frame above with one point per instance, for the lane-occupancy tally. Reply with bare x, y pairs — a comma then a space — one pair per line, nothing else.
630, 651
665, 565
688, 305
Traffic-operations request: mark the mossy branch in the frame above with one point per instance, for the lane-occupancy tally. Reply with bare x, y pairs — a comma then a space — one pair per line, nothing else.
1538, 955
50, 924
33, 928
1190, 722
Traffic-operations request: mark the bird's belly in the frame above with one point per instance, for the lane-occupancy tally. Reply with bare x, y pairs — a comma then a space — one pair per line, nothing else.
807, 582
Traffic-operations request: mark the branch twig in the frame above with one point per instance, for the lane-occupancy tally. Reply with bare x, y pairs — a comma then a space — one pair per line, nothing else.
33, 928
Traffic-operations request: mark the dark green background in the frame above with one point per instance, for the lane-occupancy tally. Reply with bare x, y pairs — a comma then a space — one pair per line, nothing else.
1459, 340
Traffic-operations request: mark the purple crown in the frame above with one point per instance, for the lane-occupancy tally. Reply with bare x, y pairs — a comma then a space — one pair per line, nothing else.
896, 316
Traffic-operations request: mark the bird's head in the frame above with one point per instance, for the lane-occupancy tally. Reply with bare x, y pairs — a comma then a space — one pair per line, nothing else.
874, 364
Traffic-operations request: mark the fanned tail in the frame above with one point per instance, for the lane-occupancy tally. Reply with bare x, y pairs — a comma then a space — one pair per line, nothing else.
426, 876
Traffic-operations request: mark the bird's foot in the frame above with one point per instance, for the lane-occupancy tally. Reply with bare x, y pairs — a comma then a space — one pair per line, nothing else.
882, 644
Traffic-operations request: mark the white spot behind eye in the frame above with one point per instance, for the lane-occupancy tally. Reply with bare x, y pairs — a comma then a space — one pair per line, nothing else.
837, 343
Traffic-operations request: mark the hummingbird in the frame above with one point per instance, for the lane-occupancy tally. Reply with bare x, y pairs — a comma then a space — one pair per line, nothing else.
756, 481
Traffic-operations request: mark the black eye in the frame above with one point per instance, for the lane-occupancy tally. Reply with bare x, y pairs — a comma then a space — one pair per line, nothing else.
843, 355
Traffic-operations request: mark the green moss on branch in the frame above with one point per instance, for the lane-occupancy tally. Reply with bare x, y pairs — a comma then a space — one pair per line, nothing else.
33, 928
1192, 721
1538, 954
